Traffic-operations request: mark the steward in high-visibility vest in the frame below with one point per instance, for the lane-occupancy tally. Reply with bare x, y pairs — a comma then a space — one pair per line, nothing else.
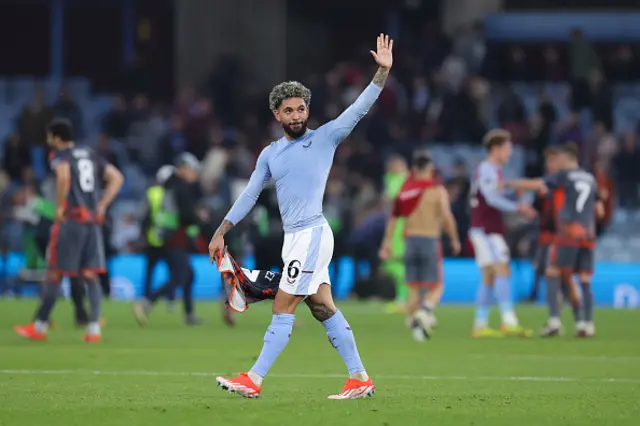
163, 219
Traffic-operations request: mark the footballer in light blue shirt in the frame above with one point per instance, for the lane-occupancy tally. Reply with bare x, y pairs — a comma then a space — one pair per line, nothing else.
299, 164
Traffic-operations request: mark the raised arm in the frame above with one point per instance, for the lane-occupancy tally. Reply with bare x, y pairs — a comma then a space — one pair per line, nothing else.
340, 128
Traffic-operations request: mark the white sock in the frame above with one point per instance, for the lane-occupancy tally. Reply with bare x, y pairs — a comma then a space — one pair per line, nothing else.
41, 326
554, 322
509, 319
361, 376
478, 324
93, 328
255, 377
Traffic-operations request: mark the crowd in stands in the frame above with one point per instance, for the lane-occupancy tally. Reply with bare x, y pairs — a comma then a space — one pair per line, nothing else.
443, 91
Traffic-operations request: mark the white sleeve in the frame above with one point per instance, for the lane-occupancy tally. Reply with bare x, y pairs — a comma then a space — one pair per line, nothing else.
489, 186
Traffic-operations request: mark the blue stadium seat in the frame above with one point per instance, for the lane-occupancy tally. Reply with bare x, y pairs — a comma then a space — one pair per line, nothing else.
21, 90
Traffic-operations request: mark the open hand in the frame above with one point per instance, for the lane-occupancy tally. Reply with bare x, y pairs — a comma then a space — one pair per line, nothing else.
384, 52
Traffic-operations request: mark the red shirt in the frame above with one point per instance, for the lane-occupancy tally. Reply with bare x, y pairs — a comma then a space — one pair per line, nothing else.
409, 195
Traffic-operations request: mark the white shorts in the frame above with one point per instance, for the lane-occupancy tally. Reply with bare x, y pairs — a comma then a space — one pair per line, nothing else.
489, 249
306, 255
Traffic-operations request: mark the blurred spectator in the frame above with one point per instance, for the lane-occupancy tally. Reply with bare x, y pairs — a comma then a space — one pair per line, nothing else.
66, 107
518, 67
570, 132
126, 233
215, 161
224, 83
600, 99
539, 138
454, 72
34, 119
197, 127
434, 46
105, 150
460, 179
419, 94
511, 115
173, 142
552, 68
623, 64
116, 122
461, 118
583, 60
547, 111
139, 127
601, 145
16, 157
184, 102
471, 47
628, 172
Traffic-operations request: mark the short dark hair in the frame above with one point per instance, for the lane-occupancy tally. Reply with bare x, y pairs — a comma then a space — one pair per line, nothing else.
421, 160
496, 138
61, 128
570, 149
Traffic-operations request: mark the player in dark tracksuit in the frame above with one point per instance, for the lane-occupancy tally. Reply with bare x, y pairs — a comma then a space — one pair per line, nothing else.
182, 186
75, 246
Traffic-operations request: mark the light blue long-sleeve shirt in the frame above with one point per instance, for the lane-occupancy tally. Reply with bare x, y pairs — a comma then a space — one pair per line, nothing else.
300, 168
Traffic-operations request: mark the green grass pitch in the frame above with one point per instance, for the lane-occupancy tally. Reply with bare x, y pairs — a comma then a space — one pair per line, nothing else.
165, 374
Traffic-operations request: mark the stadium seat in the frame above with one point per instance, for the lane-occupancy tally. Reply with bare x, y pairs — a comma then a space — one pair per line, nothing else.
21, 90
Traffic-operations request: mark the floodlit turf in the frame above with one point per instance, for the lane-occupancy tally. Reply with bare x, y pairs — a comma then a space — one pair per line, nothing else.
165, 374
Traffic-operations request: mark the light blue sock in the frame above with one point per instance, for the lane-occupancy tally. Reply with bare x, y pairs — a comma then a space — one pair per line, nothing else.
341, 338
483, 305
503, 294
275, 339
505, 302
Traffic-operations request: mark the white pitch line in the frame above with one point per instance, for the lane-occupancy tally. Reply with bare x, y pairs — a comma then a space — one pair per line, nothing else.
525, 357
319, 376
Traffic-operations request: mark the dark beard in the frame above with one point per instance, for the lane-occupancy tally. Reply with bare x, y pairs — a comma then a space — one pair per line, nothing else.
295, 134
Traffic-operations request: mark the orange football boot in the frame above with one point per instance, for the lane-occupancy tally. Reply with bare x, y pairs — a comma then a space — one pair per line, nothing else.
29, 332
242, 385
355, 389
